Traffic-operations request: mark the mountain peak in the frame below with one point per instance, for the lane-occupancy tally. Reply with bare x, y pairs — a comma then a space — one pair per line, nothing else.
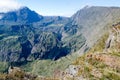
22, 15
24, 8
87, 6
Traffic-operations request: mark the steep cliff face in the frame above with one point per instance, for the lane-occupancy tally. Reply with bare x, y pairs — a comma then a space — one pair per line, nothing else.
93, 20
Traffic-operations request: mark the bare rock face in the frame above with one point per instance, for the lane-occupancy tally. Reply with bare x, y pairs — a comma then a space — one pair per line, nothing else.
71, 73
109, 41
12, 69
114, 38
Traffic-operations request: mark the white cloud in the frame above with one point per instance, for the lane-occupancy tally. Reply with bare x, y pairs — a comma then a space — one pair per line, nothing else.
8, 5
1, 16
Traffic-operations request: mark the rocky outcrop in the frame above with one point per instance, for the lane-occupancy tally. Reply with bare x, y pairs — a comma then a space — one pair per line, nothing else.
99, 65
15, 73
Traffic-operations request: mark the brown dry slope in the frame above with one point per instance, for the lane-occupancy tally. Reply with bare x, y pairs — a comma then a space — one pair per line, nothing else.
102, 62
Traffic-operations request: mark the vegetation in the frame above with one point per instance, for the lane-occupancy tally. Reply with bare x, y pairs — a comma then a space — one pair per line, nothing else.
99, 61
46, 45
100, 45
3, 66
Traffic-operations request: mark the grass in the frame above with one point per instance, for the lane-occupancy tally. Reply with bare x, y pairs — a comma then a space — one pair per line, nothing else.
109, 74
88, 64
100, 45
47, 67
3, 66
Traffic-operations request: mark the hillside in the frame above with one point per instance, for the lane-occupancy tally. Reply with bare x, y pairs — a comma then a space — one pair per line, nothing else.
101, 61
93, 20
44, 45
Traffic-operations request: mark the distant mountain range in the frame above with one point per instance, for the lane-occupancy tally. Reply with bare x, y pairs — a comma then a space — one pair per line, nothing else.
27, 36
63, 35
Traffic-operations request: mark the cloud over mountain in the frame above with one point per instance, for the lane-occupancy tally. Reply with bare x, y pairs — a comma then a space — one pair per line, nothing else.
8, 5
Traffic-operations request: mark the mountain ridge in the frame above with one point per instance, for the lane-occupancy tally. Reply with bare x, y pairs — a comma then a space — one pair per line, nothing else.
22, 15
48, 40
80, 24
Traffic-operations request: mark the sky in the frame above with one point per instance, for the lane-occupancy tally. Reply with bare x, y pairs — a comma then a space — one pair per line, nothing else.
55, 7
